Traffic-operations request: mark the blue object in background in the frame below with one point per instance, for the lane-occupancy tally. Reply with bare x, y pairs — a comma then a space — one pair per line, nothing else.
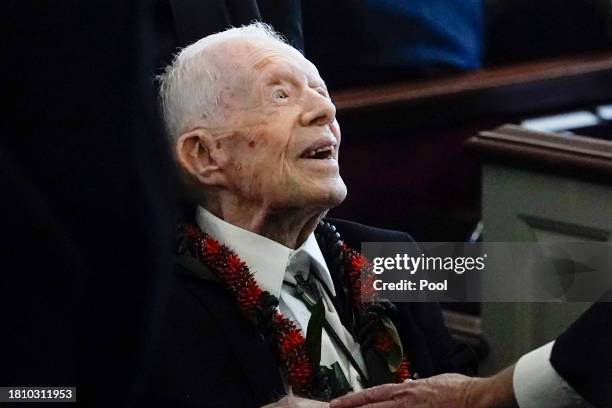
363, 41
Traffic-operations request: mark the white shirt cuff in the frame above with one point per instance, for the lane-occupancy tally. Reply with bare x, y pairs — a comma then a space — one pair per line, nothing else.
537, 384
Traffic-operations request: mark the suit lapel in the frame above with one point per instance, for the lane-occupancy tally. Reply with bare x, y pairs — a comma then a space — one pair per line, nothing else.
254, 357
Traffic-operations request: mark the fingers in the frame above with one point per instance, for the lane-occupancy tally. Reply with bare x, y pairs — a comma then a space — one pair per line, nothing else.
372, 395
387, 404
306, 403
296, 402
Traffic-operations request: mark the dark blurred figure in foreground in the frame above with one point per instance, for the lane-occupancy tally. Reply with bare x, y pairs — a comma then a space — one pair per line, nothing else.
88, 189
87, 200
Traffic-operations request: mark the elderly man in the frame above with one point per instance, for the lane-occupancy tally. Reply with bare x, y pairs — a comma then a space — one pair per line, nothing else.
266, 300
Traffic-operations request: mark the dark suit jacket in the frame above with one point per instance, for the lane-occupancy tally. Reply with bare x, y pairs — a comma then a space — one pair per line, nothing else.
582, 355
211, 356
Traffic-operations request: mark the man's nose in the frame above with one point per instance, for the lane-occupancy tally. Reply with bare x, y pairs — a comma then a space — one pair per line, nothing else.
319, 110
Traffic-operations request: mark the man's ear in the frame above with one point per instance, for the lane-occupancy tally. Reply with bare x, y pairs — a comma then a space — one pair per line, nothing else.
193, 151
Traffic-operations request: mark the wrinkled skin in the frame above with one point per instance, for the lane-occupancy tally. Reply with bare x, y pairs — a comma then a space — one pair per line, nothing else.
295, 402
442, 391
250, 165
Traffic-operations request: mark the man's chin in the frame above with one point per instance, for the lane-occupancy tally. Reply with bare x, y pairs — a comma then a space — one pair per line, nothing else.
323, 196
324, 201
337, 196
330, 197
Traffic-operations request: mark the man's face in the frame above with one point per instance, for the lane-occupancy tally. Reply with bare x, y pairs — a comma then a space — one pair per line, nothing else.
280, 137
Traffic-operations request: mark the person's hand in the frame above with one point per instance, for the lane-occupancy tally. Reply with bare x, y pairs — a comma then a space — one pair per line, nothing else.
296, 402
446, 390
442, 391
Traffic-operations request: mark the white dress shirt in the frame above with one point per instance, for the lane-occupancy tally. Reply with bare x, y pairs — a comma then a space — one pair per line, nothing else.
538, 385
271, 263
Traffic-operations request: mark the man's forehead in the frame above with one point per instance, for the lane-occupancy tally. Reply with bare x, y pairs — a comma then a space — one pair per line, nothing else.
272, 68
263, 57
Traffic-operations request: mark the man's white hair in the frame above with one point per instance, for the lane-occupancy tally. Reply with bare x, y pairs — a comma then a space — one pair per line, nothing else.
189, 86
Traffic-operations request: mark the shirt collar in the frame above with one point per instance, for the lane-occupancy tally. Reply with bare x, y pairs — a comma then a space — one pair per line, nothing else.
311, 247
267, 260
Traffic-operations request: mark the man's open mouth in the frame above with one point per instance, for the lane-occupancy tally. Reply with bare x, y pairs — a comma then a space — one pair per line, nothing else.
321, 153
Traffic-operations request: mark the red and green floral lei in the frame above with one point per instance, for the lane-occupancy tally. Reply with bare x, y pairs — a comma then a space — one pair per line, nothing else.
376, 334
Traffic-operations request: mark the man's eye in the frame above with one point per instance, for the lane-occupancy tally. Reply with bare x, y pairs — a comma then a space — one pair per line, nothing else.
280, 94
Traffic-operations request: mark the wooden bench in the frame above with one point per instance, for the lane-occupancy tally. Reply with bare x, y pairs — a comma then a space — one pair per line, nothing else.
402, 155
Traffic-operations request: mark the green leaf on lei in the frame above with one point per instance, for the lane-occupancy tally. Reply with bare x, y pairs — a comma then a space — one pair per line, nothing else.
394, 359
